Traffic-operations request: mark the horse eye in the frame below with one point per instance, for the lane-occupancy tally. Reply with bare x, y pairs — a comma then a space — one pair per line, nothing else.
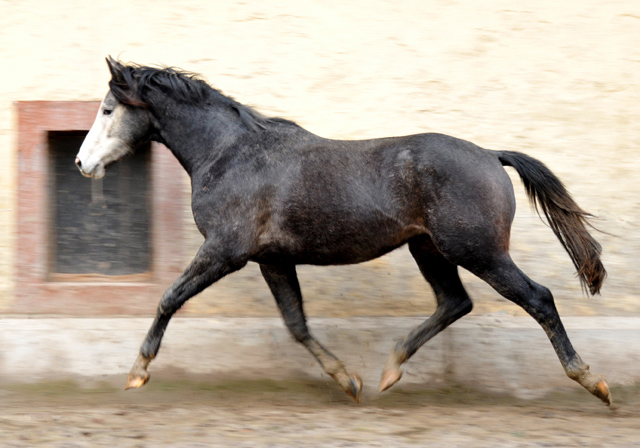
107, 111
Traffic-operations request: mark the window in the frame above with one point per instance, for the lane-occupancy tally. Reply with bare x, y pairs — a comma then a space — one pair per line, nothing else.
98, 227
86, 246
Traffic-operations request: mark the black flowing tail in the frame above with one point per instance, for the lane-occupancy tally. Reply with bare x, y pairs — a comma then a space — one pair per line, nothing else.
567, 220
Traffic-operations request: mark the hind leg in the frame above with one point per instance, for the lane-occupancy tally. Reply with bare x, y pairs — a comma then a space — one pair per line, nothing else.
452, 299
505, 277
283, 282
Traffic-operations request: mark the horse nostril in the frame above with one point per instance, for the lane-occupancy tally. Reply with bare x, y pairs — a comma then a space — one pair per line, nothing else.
78, 162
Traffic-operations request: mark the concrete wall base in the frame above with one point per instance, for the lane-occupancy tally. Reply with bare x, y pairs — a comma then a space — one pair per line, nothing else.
504, 354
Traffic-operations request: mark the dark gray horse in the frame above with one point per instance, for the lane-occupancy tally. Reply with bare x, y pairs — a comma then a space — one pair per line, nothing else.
266, 190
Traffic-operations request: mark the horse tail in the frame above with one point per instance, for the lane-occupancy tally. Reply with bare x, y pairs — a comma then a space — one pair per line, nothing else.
567, 220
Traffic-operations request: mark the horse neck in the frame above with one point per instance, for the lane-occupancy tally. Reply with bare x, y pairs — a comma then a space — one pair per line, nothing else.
197, 134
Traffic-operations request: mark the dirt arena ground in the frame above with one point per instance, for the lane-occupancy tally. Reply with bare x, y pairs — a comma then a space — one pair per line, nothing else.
557, 80
306, 412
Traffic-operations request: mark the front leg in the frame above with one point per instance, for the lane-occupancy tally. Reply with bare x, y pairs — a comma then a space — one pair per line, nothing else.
209, 265
283, 282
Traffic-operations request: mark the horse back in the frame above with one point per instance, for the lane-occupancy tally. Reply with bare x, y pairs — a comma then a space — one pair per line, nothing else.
340, 202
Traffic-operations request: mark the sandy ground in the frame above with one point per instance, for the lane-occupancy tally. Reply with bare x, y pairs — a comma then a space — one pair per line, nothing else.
305, 412
557, 80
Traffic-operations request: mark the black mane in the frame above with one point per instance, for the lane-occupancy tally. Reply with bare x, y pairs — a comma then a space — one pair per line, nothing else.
132, 83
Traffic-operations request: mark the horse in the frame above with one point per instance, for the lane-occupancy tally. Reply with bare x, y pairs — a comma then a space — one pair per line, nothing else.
268, 191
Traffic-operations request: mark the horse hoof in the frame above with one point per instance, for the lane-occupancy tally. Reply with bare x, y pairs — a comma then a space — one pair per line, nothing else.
389, 378
136, 381
354, 389
602, 392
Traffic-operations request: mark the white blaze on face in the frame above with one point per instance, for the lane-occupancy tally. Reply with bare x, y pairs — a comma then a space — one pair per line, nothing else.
103, 144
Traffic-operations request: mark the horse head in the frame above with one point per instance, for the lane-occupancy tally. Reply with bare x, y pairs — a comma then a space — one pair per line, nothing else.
122, 123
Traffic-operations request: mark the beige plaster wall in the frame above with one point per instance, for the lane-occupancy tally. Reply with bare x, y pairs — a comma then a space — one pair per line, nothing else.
558, 80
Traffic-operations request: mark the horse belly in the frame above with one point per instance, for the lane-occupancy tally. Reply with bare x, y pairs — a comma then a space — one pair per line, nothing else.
340, 239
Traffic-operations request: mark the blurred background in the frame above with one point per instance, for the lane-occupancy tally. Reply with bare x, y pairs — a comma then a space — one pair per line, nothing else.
559, 81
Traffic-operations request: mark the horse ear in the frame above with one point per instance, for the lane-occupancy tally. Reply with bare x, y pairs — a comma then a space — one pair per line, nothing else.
115, 68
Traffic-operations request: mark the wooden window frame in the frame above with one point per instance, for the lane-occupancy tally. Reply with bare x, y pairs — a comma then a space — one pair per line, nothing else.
39, 292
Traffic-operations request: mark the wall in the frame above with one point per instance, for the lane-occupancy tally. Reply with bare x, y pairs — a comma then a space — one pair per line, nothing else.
557, 80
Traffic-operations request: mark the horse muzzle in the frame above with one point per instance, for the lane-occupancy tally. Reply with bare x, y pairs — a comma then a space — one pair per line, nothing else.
96, 171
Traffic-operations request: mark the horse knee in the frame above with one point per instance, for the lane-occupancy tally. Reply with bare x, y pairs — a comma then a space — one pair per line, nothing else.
464, 307
542, 296
458, 308
541, 304
169, 304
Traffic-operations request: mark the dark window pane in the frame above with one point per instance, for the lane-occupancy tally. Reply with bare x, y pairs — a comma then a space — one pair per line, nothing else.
99, 226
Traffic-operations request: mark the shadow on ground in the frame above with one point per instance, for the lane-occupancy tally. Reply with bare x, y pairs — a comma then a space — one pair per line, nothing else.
177, 411
171, 389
